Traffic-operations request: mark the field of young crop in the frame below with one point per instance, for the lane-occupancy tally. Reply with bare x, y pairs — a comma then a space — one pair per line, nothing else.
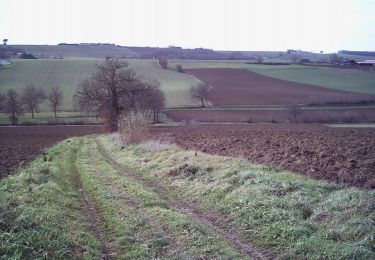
83, 51
95, 198
68, 73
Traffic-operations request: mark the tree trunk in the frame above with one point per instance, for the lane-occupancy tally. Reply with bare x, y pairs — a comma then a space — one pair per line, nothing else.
32, 113
202, 99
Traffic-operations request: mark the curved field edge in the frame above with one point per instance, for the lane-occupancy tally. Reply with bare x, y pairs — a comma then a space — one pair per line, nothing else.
283, 214
351, 80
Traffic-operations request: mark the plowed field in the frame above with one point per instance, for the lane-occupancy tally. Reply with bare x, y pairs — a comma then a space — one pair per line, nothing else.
243, 87
340, 155
20, 145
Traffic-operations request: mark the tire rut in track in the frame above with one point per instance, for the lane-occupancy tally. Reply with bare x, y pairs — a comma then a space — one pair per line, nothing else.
214, 222
131, 202
91, 211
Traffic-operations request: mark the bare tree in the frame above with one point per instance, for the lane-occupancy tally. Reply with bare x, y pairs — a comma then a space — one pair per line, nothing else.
55, 99
200, 92
2, 100
111, 90
294, 111
151, 99
32, 97
13, 106
163, 63
179, 68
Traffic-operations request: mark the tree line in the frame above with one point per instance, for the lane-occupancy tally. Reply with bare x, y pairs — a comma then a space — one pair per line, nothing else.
112, 91
29, 100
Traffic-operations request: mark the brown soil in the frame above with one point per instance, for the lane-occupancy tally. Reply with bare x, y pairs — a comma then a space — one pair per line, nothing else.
344, 156
20, 145
269, 116
242, 87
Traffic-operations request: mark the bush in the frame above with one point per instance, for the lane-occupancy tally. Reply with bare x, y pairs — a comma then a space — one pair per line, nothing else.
163, 63
179, 68
133, 128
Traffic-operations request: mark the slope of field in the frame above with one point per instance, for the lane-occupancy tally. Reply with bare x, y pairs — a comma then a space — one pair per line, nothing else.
69, 51
68, 73
243, 87
96, 198
354, 80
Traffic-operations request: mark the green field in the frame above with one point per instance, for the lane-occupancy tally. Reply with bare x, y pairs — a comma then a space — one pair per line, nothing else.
48, 118
98, 52
93, 197
355, 80
70, 72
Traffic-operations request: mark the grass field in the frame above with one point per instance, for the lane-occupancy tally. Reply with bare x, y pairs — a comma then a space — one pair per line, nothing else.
48, 118
93, 198
354, 80
99, 52
70, 72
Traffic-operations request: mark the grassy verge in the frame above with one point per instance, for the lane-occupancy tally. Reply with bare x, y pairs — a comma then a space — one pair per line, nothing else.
292, 216
40, 214
139, 222
42, 208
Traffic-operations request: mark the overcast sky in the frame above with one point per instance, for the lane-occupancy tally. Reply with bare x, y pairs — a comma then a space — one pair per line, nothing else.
328, 25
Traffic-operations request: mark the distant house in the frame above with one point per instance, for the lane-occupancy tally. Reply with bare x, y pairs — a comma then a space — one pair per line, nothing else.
366, 63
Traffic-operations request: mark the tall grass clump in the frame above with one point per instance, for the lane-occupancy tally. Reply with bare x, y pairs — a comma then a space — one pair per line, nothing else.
133, 127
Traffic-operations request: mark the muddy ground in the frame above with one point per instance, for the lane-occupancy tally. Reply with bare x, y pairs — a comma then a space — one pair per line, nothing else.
243, 87
341, 155
20, 145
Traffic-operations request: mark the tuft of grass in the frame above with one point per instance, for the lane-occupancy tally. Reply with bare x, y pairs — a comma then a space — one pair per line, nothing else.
40, 213
290, 215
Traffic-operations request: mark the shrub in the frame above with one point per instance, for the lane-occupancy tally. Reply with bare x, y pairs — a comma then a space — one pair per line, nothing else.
163, 63
133, 128
179, 68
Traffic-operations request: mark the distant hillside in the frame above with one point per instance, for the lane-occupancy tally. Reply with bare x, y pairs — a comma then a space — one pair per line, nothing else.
78, 51
358, 53
100, 51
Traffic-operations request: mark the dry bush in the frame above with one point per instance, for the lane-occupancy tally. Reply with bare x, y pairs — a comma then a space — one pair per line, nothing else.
158, 145
133, 128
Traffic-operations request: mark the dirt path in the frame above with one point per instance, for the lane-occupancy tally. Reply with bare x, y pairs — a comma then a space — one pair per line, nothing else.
117, 192
213, 221
91, 211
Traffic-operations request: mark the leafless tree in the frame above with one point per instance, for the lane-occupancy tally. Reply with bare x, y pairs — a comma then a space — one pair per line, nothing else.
55, 99
294, 111
2, 100
32, 97
111, 90
163, 63
152, 99
200, 92
179, 68
13, 106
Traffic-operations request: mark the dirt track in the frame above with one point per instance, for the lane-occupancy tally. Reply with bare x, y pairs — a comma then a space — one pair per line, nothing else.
20, 145
243, 87
339, 155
